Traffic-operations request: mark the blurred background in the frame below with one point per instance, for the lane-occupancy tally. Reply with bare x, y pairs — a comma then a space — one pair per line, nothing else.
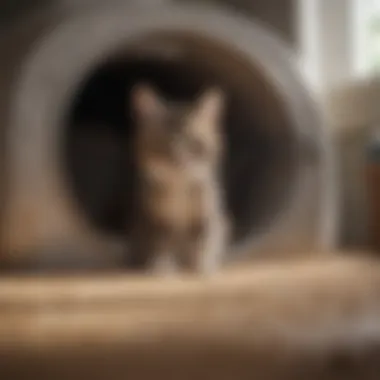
44, 324
337, 44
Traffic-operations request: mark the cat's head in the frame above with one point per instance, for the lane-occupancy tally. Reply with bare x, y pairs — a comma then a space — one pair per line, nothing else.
178, 134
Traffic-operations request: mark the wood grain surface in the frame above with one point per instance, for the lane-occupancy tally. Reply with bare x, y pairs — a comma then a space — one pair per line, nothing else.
310, 319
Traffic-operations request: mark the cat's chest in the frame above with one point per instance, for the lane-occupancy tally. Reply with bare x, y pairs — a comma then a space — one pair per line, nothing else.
178, 176
177, 198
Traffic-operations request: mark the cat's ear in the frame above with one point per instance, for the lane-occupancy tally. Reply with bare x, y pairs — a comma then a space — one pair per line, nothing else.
211, 104
146, 102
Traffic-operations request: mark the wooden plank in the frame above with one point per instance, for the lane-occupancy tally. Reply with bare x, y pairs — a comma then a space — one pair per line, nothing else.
311, 319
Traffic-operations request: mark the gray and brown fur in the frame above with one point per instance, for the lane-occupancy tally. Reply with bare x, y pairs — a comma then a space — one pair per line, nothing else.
180, 217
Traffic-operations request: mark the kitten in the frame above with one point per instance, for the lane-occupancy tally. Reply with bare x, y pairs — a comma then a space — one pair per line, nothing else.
180, 217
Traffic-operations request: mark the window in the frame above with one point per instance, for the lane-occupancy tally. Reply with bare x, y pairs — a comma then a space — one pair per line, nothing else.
367, 36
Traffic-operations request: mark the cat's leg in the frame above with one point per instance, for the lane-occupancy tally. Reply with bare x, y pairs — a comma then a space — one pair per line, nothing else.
163, 263
162, 258
207, 245
215, 245
151, 249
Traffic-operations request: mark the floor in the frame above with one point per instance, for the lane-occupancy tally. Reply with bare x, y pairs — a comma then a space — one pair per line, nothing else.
303, 319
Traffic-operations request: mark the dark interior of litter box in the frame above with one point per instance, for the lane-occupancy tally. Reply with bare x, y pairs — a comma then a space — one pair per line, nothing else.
259, 168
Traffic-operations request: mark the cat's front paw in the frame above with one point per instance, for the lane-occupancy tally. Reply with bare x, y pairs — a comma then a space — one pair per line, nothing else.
205, 265
163, 266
